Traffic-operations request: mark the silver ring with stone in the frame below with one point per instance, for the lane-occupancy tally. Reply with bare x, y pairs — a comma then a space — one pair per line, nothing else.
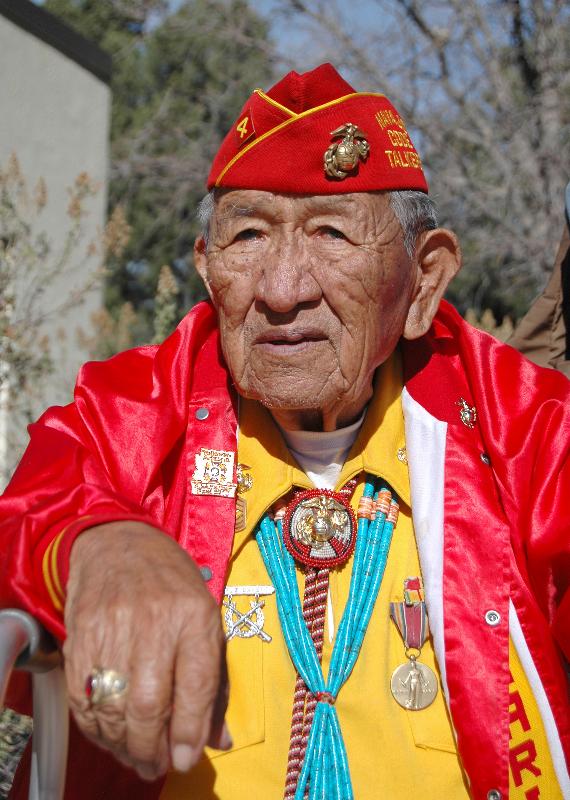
104, 684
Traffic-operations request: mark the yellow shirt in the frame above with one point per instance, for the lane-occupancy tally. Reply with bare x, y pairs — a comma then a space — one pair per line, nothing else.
391, 751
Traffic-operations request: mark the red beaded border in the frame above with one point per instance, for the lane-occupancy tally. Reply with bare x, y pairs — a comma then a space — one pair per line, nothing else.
322, 563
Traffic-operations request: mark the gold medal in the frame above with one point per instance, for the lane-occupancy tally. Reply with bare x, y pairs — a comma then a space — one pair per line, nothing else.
413, 685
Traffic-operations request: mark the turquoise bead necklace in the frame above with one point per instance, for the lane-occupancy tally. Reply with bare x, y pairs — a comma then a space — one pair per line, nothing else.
325, 773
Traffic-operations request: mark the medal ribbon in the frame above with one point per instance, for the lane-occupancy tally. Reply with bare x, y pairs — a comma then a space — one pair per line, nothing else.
410, 616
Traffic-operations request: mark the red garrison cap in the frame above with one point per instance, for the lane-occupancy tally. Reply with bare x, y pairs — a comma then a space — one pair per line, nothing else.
313, 134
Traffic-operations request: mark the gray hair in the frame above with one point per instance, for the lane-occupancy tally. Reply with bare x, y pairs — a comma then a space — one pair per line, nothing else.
415, 212
204, 214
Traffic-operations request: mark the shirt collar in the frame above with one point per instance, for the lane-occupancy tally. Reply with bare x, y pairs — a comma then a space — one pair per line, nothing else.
263, 453
380, 448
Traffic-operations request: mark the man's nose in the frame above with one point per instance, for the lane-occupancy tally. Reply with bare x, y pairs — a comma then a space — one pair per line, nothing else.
286, 280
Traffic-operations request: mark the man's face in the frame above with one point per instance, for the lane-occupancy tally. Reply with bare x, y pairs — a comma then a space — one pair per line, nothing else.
312, 295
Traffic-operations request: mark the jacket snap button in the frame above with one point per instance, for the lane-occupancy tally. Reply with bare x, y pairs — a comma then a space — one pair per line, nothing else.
492, 618
485, 459
202, 413
494, 794
206, 573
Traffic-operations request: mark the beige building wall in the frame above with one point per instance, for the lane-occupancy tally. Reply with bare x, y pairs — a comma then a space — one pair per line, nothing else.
55, 119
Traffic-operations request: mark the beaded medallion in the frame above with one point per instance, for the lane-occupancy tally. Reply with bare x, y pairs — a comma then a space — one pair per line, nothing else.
319, 528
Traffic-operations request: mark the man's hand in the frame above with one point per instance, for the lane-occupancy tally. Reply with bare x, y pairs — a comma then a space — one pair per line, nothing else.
137, 604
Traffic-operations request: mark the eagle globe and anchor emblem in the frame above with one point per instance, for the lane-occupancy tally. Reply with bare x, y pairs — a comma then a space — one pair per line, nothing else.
319, 528
342, 158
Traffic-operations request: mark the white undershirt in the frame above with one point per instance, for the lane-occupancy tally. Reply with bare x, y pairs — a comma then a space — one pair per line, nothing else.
321, 455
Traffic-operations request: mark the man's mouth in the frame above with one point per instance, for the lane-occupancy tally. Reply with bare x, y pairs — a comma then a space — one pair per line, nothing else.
288, 341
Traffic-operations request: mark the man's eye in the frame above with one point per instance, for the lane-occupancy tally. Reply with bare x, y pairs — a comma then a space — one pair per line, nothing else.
333, 233
247, 235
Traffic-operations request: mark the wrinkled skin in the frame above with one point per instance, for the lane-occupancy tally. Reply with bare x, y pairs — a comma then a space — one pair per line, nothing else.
158, 626
312, 293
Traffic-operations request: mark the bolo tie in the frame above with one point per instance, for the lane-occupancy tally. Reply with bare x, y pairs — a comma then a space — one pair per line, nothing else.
317, 531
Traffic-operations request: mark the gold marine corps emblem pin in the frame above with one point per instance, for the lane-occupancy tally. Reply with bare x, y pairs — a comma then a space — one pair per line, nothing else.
467, 413
342, 158
318, 520
319, 528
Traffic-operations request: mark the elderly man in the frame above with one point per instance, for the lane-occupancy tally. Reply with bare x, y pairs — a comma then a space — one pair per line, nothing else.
334, 456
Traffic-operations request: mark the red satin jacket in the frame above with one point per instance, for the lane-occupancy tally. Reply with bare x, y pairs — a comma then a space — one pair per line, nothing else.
490, 502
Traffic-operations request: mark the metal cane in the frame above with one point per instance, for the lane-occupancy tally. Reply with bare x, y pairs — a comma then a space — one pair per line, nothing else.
25, 645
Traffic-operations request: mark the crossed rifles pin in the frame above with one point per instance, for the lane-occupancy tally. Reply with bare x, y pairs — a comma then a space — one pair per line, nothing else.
246, 624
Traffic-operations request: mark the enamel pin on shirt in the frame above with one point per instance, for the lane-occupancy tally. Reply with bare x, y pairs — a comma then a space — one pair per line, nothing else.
245, 624
413, 685
214, 473
244, 483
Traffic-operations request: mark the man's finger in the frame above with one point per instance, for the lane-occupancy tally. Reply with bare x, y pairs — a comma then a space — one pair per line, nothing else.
220, 737
148, 708
196, 687
102, 721
110, 718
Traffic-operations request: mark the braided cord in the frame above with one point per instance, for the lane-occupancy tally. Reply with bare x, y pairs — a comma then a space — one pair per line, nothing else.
304, 703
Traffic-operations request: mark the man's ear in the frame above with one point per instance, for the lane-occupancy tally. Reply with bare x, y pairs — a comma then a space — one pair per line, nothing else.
201, 262
438, 259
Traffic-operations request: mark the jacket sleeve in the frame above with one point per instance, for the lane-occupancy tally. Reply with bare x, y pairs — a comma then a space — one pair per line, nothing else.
97, 460
527, 418
523, 415
548, 516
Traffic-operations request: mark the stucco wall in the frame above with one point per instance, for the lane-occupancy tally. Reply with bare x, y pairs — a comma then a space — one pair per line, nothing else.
55, 118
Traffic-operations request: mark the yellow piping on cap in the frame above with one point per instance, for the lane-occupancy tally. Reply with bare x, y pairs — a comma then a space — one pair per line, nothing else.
273, 102
282, 125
